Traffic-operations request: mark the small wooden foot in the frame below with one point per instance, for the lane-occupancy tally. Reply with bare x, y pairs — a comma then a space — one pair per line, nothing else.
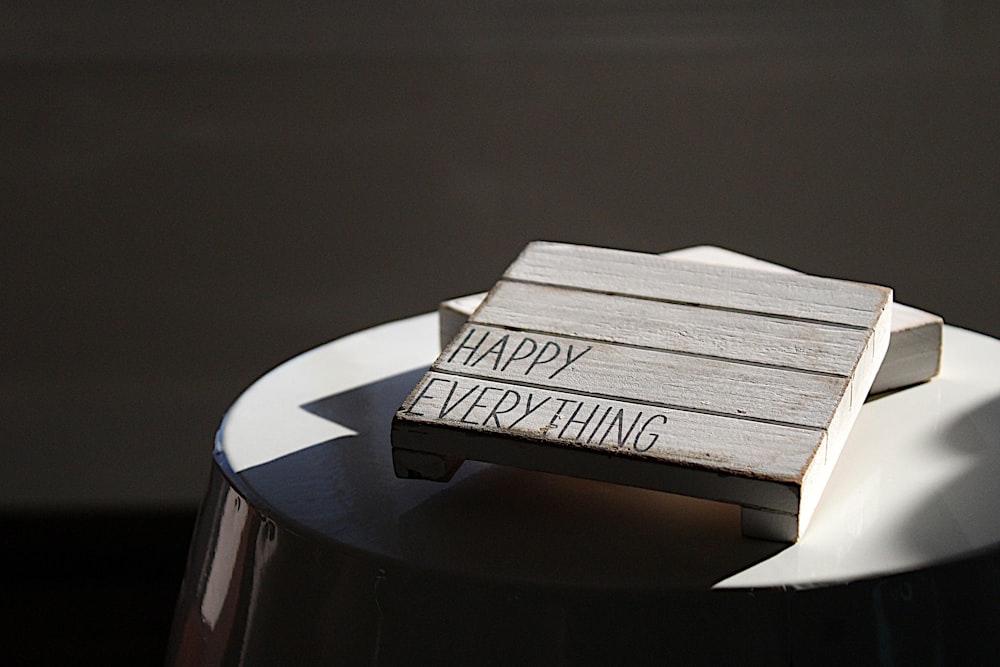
410, 464
767, 525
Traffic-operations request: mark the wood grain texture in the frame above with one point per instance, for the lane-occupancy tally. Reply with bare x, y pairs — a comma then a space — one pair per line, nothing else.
791, 295
726, 383
914, 353
709, 332
656, 376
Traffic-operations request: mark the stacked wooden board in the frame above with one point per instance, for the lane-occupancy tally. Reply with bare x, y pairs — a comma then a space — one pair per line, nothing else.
714, 381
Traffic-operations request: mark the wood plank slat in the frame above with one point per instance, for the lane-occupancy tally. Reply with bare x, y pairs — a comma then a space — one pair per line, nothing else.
792, 295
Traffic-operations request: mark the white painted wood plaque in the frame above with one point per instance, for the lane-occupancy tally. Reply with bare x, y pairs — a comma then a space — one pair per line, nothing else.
719, 382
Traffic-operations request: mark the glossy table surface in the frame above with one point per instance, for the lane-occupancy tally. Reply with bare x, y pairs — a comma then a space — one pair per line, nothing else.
308, 445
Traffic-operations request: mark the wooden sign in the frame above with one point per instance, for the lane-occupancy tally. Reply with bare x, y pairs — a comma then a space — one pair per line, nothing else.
717, 382
914, 353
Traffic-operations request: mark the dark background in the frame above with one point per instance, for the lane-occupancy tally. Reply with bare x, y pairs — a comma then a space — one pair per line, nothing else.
192, 195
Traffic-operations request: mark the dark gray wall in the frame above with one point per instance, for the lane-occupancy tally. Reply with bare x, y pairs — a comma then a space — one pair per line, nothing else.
192, 195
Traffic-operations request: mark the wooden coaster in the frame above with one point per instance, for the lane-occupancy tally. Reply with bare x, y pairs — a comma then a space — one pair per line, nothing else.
712, 381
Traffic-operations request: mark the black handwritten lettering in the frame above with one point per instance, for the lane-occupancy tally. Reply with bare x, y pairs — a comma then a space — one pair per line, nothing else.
496, 408
538, 358
477, 404
567, 419
496, 349
599, 423
423, 394
555, 416
570, 359
653, 436
471, 348
530, 410
574, 420
444, 407
515, 355
619, 419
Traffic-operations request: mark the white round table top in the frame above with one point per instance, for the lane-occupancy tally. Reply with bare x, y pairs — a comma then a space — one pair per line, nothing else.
308, 445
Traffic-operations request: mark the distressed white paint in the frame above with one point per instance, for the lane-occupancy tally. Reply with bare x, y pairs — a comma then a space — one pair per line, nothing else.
657, 277
914, 353
589, 329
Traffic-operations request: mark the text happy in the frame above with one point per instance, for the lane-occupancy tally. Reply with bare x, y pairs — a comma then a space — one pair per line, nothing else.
488, 349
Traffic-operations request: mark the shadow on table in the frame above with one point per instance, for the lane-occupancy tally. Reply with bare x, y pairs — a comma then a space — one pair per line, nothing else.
507, 523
